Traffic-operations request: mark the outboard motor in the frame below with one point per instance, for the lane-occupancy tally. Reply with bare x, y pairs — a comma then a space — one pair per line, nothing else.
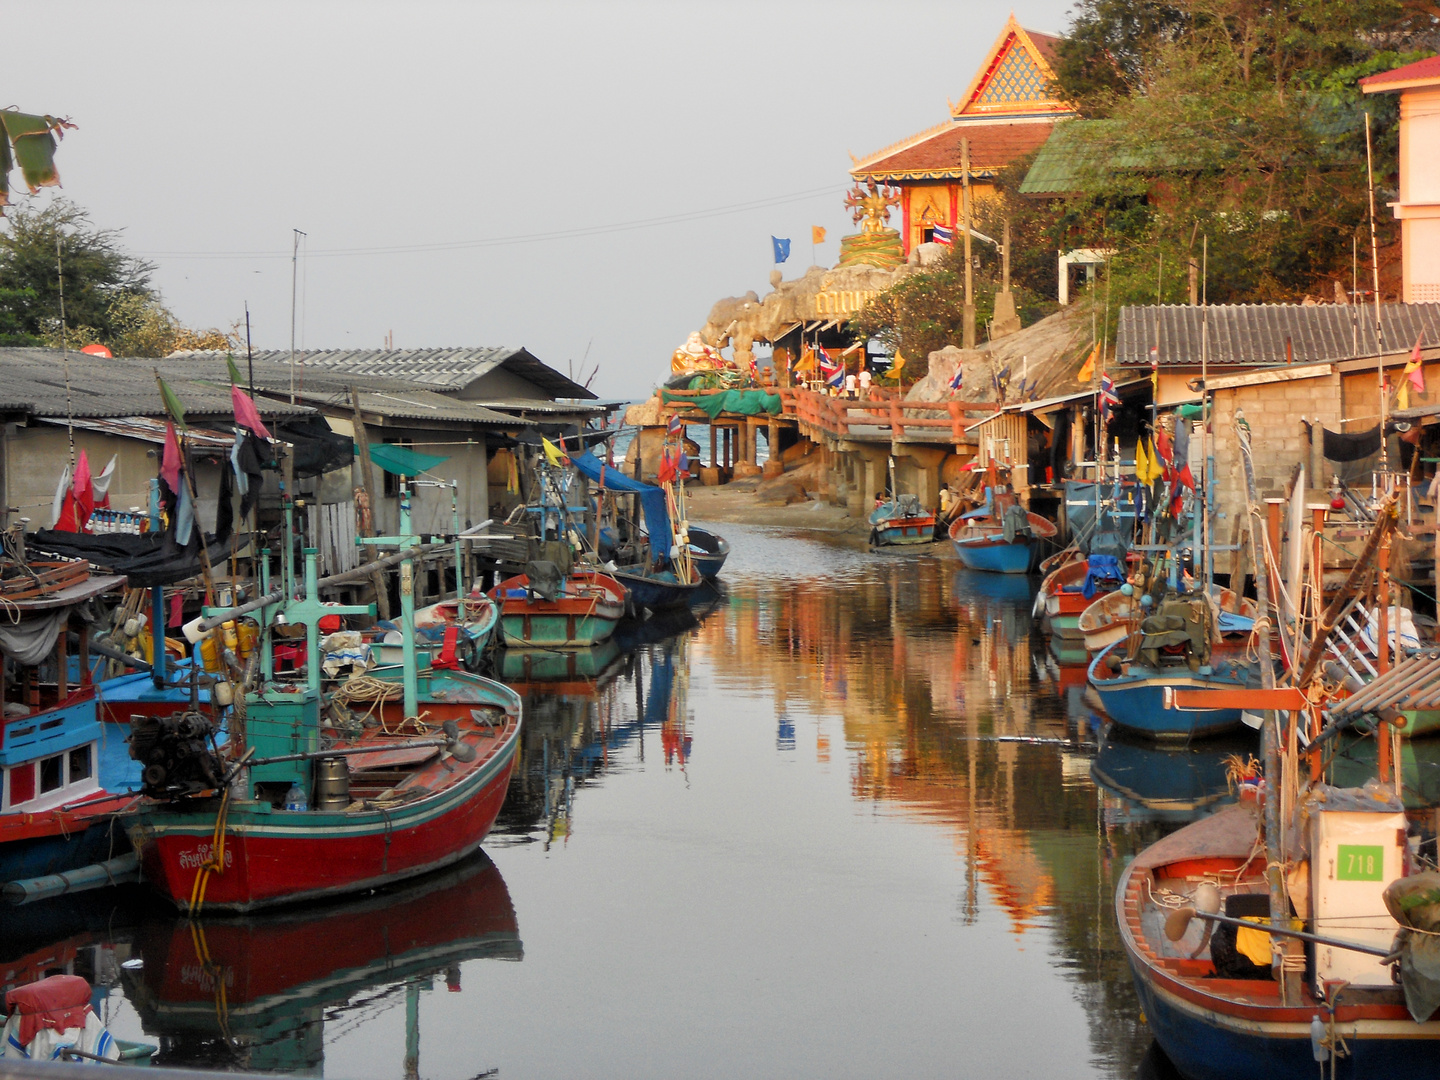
177, 754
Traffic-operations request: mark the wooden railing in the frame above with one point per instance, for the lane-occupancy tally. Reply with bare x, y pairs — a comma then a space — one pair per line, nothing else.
840, 416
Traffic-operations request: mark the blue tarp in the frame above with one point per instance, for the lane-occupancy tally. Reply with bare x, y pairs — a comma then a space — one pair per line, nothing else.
652, 498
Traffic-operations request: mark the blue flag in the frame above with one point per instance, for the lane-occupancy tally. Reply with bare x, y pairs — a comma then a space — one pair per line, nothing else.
782, 248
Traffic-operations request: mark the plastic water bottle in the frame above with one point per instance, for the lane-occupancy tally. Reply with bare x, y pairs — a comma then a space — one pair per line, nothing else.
295, 798
1318, 1049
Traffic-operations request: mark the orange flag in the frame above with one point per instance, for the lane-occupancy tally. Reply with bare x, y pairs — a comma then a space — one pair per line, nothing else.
1087, 370
817, 234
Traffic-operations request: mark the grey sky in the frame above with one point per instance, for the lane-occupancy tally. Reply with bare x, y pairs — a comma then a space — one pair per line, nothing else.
216, 128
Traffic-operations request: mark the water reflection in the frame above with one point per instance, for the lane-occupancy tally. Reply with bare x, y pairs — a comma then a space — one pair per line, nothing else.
1144, 782
266, 993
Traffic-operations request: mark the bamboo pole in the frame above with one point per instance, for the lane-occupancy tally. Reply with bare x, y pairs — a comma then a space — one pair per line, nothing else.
362, 443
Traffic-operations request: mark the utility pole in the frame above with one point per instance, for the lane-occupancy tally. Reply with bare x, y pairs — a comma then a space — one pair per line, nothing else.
294, 267
969, 332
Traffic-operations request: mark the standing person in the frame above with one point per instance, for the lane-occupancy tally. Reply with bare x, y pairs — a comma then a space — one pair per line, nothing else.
850, 383
865, 382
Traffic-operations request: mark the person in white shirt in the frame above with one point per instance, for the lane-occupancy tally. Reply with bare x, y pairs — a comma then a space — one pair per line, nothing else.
865, 382
850, 386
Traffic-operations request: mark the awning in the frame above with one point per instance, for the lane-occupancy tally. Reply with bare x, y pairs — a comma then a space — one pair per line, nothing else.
401, 460
652, 498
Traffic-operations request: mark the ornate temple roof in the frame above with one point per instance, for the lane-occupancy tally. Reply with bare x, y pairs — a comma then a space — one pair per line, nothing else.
1007, 111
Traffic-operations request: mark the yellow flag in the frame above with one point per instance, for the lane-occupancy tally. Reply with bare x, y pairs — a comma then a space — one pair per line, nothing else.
1402, 395
553, 453
897, 365
1142, 463
806, 361
1087, 370
817, 234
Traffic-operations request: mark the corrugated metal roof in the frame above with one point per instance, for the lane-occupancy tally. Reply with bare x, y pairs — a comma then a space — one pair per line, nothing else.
438, 369
146, 429
1255, 334
109, 387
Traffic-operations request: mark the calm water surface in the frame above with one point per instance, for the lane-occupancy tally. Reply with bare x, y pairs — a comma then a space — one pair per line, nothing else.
849, 820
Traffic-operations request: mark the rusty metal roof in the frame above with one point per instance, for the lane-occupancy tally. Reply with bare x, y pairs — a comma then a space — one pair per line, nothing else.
147, 429
1255, 335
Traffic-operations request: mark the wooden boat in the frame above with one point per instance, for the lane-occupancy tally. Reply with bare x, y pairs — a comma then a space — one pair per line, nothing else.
448, 635
1113, 616
981, 543
901, 521
407, 807
1063, 599
1136, 697
585, 612
58, 790
657, 590
708, 551
1214, 1027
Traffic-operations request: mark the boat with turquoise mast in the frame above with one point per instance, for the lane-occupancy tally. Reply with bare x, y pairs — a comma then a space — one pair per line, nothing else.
900, 519
407, 775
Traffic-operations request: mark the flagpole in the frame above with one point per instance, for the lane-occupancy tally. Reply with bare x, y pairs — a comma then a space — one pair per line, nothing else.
1375, 275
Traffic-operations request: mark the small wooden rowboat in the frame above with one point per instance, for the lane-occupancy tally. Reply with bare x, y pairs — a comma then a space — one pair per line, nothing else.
1063, 599
584, 613
901, 521
1113, 616
708, 551
981, 543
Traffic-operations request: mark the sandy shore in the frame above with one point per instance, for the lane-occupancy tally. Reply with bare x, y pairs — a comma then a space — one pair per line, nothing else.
737, 502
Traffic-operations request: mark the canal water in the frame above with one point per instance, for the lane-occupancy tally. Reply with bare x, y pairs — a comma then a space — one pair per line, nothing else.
846, 818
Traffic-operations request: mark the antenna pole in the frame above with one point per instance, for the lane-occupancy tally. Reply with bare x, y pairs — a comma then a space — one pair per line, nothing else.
1375, 275
294, 268
65, 353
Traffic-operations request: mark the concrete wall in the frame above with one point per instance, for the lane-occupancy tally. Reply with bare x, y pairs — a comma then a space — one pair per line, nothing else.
1277, 439
499, 385
37, 455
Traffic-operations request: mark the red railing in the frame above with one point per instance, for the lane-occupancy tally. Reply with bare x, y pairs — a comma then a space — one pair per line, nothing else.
839, 416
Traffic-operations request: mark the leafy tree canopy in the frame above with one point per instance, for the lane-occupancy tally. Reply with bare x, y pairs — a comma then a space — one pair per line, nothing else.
108, 296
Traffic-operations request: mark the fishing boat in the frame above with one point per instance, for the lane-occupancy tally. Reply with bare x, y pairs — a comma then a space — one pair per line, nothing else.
453, 631
413, 779
708, 551
900, 519
1139, 694
1006, 544
1112, 617
658, 590
60, 791
583, 612
1072, 587
52, 1020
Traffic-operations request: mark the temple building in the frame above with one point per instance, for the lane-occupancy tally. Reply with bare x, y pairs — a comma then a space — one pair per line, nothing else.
1007, 112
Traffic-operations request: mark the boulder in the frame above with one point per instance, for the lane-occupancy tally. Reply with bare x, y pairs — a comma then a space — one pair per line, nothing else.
645, 413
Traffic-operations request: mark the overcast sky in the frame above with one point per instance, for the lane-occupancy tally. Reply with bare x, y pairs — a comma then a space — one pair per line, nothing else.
209, 131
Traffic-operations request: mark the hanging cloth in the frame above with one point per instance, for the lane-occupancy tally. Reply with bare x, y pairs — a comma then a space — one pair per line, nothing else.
1351, 446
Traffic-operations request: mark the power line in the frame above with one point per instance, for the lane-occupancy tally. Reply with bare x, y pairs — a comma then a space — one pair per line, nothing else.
521, 238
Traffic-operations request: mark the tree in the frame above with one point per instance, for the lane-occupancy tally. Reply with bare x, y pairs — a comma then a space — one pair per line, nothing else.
108, 297
97, 270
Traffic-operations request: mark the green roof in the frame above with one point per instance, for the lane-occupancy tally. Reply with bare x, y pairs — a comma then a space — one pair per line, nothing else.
1064, 157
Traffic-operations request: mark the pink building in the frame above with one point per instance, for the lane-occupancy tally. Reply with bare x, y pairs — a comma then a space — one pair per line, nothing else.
1418, 208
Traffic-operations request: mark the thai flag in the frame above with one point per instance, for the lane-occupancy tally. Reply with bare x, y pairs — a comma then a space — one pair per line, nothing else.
675, 426
957, 378
942, 234
834, 373
1108, 398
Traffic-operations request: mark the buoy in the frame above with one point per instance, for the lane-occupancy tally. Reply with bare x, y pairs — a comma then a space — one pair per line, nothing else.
1127, 589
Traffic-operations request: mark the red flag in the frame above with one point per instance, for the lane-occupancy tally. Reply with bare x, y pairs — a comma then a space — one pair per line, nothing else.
1413, 369
1163, 447
66, 521
666, 472
84, 492
246, 415
170, 463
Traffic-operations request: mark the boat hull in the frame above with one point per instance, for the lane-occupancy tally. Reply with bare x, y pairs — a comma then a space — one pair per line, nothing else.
61, 840
658, 593
275, 857
568, 622
708, 552
995, 558
1137, 702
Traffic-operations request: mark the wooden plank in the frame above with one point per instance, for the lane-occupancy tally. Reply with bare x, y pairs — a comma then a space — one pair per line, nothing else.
391, 758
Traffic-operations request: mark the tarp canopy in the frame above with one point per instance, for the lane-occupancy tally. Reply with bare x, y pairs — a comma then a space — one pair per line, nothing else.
745, 402
652, 498
401, 460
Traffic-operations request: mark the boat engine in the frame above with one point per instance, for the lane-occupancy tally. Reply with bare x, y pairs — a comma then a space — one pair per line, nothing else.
177, 754
1181, 626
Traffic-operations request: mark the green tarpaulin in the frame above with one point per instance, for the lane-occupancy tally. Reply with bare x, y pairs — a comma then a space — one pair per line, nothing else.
401, 460
745, 402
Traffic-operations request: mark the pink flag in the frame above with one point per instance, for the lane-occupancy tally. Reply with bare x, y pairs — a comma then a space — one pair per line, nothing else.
1413, 369
170, 463
84, 493
246, 415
